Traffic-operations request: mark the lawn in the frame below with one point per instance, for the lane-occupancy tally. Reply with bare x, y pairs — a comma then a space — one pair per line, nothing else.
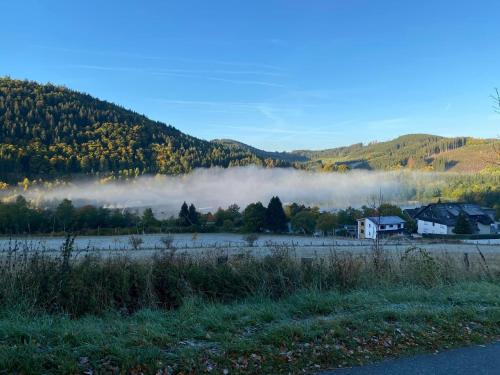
173, 314
304, 332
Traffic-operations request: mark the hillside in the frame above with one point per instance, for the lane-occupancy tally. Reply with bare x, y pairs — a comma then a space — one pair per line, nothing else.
414, 151
50, 131
285, 156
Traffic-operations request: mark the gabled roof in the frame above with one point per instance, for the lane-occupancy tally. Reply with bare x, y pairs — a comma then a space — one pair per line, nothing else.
447, 213
386, 220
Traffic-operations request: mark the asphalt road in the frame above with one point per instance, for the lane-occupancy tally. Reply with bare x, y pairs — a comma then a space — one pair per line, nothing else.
475, 360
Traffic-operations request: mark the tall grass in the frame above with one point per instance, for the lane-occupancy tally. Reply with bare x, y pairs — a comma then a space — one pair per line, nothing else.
80, 284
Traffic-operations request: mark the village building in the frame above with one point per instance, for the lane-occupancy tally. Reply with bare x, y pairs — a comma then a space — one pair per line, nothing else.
379, 226
441, 218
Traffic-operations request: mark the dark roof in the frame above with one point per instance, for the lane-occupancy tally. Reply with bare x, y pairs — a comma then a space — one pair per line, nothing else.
411, 212
386, 220
447, 213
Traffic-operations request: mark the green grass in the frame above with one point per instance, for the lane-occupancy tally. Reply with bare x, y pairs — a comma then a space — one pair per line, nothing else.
267, 315
306, 330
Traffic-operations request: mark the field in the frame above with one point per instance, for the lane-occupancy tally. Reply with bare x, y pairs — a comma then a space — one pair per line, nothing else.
279, 312
302, 333
233, 244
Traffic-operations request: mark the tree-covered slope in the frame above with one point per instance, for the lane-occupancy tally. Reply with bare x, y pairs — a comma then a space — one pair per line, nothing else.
49, 131
276, 155
415, 151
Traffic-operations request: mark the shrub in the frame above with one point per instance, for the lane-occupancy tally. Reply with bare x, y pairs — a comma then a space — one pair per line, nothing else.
91, 284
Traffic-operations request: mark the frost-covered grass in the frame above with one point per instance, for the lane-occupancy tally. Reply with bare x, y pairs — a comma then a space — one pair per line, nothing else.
307, 330
273, 314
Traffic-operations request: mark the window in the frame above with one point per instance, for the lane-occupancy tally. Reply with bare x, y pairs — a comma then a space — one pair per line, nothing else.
382, 227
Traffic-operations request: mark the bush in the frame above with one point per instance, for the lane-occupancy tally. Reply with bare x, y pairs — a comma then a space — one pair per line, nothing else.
90, 284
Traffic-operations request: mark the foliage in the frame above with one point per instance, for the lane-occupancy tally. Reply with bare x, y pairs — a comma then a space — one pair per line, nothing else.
462, 226
85, 283
254, 218
193, 215
326, 222
49, 131
412, 151
302, 333
184, 215
148, 219
250, 239
275, 216
135, 242
304, 222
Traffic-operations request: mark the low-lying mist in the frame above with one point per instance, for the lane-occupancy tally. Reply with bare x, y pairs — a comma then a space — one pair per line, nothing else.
211, 188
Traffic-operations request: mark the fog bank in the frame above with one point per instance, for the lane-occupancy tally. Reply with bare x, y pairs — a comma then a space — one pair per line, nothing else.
211, 188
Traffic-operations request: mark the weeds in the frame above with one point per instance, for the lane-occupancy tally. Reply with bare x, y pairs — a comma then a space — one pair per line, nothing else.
88, 284
250, 239
135, 242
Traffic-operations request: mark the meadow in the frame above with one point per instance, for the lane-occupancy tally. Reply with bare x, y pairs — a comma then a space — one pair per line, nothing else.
221, 313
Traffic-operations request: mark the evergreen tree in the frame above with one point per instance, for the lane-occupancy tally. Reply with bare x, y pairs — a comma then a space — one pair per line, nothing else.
184, 215
48, 131
275, 216
193, 215
65, 214
148, 219
462, 226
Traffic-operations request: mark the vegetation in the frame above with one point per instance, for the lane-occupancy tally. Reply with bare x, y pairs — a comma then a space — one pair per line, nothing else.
289, 157
49, 131
413, 151
266, 315
275, 216
21, 217
462, 225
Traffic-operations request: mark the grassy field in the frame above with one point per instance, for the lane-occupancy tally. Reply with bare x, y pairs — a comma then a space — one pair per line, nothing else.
278, 314
308, 330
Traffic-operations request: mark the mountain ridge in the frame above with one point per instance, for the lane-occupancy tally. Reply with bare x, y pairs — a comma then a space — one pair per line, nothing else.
49, 131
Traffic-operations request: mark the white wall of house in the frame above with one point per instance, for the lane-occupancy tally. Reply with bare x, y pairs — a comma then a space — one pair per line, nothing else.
484, 229
432, 228
371, 230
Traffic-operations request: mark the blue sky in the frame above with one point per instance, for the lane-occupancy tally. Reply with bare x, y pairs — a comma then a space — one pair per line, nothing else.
277, 74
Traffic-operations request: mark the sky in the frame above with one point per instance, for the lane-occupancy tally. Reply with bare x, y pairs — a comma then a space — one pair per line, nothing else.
276, 74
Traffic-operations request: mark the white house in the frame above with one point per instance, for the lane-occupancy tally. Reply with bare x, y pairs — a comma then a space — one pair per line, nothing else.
440, 218
433, 227
371, 227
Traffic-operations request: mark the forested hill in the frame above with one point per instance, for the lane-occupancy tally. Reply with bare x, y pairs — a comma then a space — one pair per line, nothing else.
48, 131
285, 156
412, 151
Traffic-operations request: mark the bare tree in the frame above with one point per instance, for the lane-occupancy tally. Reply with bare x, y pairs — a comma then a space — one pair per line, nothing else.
168, 244
496, 147
377, 249
250, 239
167, 241
135, 242
496, 101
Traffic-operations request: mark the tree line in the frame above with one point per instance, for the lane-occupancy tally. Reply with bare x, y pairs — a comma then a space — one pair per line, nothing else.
413, 151
21, 217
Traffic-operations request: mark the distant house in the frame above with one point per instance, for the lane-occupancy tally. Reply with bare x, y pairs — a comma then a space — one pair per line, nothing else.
378, 226
441, 218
